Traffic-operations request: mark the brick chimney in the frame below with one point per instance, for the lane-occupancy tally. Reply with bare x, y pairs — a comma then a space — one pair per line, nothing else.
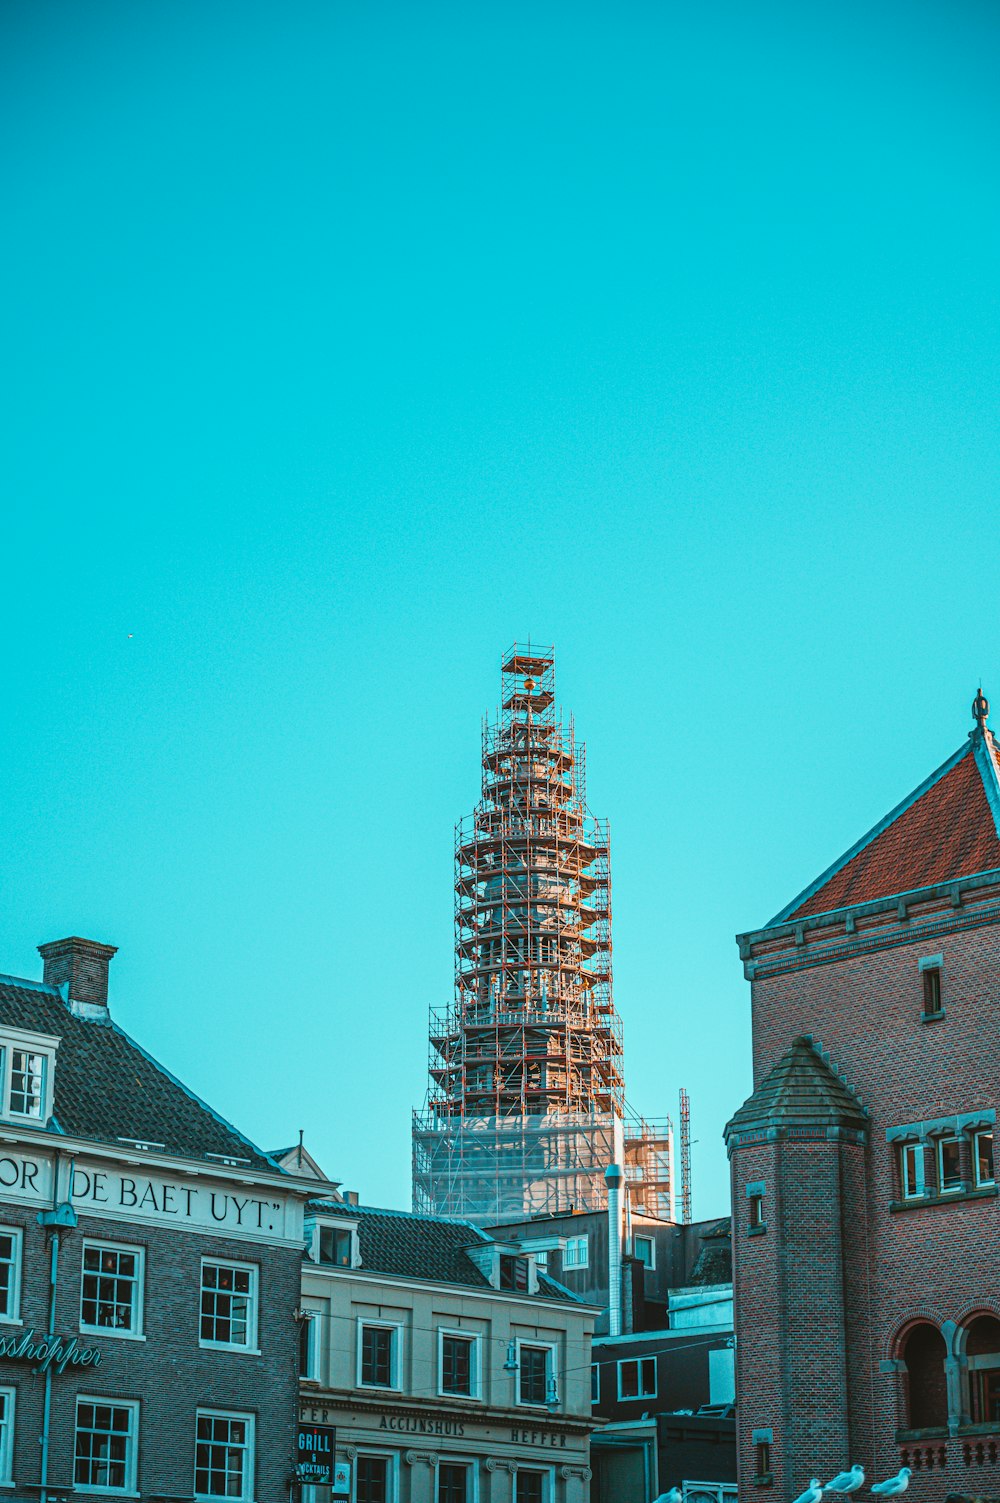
83, 963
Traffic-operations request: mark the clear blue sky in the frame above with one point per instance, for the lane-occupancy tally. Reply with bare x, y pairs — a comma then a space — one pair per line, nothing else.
343, 345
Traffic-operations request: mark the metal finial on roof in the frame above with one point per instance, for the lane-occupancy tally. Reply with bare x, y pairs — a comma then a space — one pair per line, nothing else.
980, 708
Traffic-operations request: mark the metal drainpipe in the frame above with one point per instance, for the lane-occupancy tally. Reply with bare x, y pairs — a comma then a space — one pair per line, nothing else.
51, 1333
613, 1180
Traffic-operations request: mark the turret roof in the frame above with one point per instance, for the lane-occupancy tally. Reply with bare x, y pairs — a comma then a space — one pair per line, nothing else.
948, 827
801, 1091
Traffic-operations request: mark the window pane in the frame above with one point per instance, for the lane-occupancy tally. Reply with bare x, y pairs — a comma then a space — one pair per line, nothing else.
222, 1456
103, 1444
949, 1166
27, 1082
984, 1158
534, 1362
376, 1356
453, 1482
9, 1245
932, 991
456, 1364
109, 1296
628, 1380
529, 1487
373, 1479
227, 1304
913, 1170
644, 1251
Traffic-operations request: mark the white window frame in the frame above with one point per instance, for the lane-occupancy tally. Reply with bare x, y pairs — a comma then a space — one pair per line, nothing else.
580, 1248
311, 1319
471, 1463
475, 1364
919, 1176
551, 1369
21, 1040
548, 1476
250, 1347
392, 1471
984, 1132
396, 1361
939, 1154
246, 1496
638, 1237
136, 1330
130, 1490
9, 1397
337, 1224
13, 1317
640, 1391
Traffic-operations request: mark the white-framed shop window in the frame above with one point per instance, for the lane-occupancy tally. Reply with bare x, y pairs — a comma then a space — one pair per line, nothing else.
111, 1288
534, 1484
375, 1477
105, 1457
456, 1480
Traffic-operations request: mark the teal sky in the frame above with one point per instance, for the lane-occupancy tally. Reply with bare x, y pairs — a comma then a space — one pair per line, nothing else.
344, 345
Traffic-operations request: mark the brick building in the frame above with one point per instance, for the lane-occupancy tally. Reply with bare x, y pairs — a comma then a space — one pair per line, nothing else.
865, 1213
150, 1260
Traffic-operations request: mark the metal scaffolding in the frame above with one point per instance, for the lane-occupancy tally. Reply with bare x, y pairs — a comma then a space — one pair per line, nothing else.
526, 1102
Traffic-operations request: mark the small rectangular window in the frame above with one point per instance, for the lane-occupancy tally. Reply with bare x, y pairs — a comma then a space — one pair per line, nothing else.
513, 1272
932, 991
982, 1158
755, 1207
27, 1082
762, 1458
637, 1378
335, 1246
644, 1249
458, 1364
105, 1446
229, 1305
911, 1170
10, 1273
595, 1382
378, 1356
309, 1347
111, 1289
949, 1165
223, 1456
534, 1373
7, 1398
577, 1254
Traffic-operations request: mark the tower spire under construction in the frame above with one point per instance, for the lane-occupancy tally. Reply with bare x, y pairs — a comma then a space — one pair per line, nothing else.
525, 1108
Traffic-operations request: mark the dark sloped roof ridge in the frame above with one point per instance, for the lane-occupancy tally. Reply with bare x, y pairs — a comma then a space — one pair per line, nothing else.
193, 1096
347, 1208
785, 913
802, 1089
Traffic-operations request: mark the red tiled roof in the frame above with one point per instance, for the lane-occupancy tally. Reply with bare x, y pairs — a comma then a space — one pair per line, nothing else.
947, 829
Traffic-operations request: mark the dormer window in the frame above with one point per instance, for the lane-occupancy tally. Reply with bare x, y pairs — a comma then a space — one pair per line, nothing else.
513, 1273
27, 1065
335, 1244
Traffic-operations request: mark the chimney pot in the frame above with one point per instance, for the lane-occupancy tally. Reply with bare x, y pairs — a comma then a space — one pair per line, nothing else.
80, 964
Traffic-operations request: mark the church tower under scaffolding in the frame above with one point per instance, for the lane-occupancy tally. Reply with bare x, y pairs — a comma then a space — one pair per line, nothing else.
526, 1105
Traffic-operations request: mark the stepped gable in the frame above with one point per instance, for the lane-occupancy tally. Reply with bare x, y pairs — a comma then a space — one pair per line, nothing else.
801, 1092
948, 827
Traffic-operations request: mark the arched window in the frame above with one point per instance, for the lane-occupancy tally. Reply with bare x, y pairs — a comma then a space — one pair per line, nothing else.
982, 1352
924, 1353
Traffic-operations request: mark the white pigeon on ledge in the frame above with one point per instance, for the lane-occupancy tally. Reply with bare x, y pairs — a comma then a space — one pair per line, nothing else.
847, 1482
893, 1486
673, 1496
812, 1494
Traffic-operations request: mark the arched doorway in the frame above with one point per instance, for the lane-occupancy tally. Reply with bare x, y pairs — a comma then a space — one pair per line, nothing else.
927, 1395
982, 1354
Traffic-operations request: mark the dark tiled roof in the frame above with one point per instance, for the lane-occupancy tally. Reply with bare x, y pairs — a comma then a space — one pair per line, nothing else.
714, 1263
946, 828
410, 1246
801, 1091
107, 1087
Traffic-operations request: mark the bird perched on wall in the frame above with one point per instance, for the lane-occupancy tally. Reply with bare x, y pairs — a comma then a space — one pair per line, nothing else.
893, 1486
847, 1482
673, 1496
812, 1494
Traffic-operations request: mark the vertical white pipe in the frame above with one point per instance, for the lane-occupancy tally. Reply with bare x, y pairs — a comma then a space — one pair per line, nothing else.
613, 1180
